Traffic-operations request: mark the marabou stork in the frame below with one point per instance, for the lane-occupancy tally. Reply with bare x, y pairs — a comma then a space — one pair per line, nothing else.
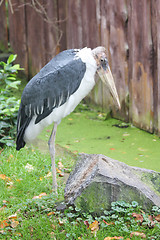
56, 90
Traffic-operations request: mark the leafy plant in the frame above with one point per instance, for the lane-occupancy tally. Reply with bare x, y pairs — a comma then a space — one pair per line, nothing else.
8, 103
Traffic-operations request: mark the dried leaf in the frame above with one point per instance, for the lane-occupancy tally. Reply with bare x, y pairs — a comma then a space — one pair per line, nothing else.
157, 218
3, 176
19, 180
94, 227
60, 222
138, 234
138, 217
4, 224
60, 165
35, 197
151, 223
58, 170
50, 213
40, 196
14, 223
13, 216
61, 174
49, 174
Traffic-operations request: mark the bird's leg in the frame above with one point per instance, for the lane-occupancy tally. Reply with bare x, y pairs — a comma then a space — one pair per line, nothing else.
51, 144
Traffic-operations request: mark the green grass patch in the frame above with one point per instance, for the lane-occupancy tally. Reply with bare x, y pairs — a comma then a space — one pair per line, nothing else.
28, 206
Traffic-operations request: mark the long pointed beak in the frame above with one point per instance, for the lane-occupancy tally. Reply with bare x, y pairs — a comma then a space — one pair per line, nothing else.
107, 79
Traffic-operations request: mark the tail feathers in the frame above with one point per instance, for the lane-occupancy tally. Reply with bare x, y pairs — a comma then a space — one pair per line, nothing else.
20, 143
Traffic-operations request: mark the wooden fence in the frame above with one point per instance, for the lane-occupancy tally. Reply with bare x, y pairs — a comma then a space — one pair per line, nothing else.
129, 29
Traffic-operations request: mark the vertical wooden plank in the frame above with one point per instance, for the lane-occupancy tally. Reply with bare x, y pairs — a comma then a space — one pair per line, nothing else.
105, 41
114, 19
51, 31
74, 24
90, 30
3, 28
17, 33
90, 12
82, 24
141, 77
35, 37
155, 23
158, 65
62, 22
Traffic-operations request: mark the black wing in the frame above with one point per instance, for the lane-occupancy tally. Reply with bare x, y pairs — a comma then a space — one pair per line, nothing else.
48, 89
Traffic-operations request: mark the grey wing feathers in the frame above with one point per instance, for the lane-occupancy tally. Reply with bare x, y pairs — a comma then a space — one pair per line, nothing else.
50, 88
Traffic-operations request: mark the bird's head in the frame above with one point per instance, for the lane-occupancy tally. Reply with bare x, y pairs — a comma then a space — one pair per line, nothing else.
104, 72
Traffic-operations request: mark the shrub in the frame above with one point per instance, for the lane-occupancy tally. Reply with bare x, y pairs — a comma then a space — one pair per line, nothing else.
8, 103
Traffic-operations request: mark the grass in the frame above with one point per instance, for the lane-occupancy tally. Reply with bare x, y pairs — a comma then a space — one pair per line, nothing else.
28, 206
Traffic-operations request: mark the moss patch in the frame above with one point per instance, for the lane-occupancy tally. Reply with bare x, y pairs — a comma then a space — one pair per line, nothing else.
92, 198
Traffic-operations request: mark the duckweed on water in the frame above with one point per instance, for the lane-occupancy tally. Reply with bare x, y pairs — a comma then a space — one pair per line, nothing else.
87, 131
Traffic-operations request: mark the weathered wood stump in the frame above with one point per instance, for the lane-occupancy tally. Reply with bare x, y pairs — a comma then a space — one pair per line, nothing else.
98, 180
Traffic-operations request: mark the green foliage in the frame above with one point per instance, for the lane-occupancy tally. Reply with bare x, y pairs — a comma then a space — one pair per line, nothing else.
9, 104
26, 193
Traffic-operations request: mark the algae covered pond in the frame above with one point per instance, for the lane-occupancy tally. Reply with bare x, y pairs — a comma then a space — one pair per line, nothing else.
86, 130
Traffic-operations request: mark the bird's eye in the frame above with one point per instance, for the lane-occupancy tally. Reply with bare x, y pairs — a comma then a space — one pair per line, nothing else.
104, 63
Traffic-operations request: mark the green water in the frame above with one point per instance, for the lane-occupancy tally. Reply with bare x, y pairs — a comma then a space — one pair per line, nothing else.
87, 131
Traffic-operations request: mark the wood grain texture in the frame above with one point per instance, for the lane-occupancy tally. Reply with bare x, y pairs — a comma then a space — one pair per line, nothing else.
129, 29
141, 75
17, 33
114, 28
3, 28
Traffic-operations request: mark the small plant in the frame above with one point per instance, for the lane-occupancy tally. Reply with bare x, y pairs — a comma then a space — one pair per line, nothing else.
8, 103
